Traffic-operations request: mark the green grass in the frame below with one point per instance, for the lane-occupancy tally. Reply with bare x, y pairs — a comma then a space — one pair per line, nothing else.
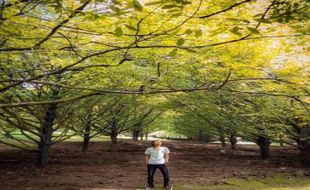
33, 146
95, 139
269, 183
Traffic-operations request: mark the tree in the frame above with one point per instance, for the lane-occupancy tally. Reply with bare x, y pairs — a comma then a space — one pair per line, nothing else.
127, 48
37, 126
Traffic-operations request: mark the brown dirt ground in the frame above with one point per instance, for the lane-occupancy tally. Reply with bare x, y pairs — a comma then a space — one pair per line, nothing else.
122, 166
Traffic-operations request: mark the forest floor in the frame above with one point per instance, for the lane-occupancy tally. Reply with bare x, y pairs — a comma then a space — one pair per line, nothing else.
192, 167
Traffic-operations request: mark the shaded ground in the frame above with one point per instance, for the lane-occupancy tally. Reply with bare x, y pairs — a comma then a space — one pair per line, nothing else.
122, 166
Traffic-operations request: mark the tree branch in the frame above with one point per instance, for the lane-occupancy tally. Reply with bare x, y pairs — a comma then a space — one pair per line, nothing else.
73, 14
227, 9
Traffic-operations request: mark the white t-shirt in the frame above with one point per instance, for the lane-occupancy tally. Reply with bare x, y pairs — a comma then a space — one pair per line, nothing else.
157, 155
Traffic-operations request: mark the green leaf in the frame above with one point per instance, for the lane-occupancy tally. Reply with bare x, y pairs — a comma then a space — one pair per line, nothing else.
180, 42
136, 5
174, 11
245, 21
188, 31
176, 15
168, 6
253, 30
153, 3
236, 30
173, 53
233, 19
131, 27
258, 15
263, 21
191, 50
118, 32
198, 33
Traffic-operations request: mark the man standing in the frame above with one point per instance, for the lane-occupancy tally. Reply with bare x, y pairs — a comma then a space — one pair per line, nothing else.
157, 157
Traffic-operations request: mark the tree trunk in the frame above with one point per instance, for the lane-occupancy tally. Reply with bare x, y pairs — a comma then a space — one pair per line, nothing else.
304, 148
223, 141
141, 136
146, 135
302, 131
114, 133
85, 144
86, 137
135, 135
264, 146
305, 156
43, 150
113, 139
233, 141
46, 135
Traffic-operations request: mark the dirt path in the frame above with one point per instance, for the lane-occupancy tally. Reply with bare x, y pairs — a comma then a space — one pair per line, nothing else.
122, 167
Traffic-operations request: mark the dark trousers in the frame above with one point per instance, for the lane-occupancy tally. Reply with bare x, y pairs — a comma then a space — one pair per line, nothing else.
151, 168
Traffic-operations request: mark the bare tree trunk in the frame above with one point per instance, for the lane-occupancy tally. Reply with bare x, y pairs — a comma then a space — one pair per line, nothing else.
135, 135
264, 146
233, 141
302, 131
113, 139
304, 147
305, 156
86, 137
223, 141
114, 133
146, 135
46, 135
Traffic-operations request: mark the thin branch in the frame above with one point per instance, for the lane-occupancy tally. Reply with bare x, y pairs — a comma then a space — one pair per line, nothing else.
136, 92
72, 47
225, 81
14, 145
227, 9
261, 19
134, 47
15, 3
73, 14
22, 11
153, 34
302, 103
260, 93
52, 32
158, 69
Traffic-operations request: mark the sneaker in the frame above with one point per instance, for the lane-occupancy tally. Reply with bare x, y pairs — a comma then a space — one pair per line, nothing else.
168, 188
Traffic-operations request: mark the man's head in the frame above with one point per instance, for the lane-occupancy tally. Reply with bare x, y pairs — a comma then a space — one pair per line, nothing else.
156, 143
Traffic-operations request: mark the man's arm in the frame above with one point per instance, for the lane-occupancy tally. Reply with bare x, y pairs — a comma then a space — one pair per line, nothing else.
147, 157
167, 157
